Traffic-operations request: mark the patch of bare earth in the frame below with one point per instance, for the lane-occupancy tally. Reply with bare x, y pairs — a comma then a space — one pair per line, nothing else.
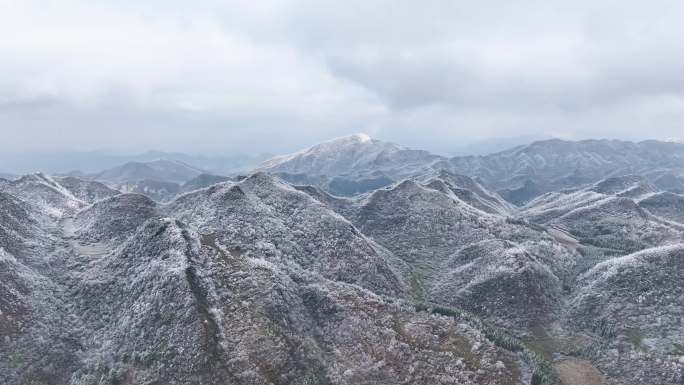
574, 371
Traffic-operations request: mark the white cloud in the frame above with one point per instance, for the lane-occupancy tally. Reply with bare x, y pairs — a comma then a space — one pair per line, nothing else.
274, 75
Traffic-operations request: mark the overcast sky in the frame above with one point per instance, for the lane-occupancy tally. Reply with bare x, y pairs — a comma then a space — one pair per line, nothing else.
221, 76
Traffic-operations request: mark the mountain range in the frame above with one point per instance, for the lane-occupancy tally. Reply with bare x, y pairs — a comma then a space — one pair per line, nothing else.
355, 261
356, 164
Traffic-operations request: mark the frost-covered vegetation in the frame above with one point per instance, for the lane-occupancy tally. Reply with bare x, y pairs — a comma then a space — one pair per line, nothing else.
433, 279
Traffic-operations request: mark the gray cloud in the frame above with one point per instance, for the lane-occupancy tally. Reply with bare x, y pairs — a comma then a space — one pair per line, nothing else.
217, 76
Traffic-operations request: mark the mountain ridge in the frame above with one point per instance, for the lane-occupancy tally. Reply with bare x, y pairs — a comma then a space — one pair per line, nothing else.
519, 174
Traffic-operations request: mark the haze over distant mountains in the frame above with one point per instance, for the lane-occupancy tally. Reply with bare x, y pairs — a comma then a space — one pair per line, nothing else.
88, 162
355, 261
357, 163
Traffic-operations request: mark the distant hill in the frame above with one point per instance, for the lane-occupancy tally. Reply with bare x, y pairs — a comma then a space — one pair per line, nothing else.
203, 180
160, 170
527, 171
76, 163
5, 175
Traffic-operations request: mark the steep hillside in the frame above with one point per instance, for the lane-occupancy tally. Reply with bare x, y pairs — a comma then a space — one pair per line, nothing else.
425, 224
500, 280
666, 205
607, 215
20, 228
350, 165
634, 303
87, 191
44, 193
135, 297
671, 181
263, 215
114, 218
469, 191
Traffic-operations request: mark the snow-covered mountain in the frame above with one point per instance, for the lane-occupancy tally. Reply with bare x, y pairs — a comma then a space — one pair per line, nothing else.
357, 164
522, 173
250, 281
161, 179
355, 155
424, 275
56, 196
160, 191
670, 181
609, 215
468, 190
634, 303
350, 165
279, 223
665, 205
424, 224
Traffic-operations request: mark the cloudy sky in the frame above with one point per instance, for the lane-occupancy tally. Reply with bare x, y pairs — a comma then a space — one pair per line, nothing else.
220, 76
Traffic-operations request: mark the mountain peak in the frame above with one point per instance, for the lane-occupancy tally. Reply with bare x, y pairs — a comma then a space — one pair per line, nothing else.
355, 156
349, 140
360, 137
